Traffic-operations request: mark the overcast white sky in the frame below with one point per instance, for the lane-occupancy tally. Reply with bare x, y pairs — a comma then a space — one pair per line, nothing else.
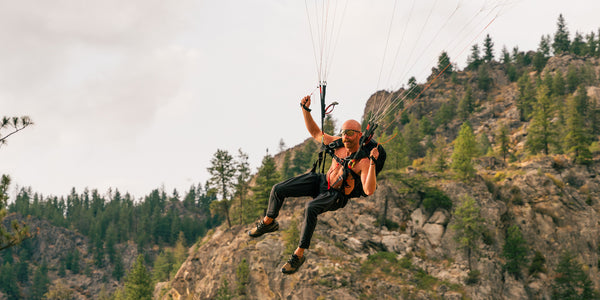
138, 94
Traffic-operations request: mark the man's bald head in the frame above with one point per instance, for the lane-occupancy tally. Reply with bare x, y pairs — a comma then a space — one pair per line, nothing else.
351, 124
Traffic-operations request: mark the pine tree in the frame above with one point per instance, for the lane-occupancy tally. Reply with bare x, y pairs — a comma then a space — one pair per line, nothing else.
222, 171
541, 131
465, 149
483, 144
468, 226
561, 42
559, 86
266, 177
488, 47
242, 184
412, 139
474, 60
571, 282
503, 141
466, 105
578, 46
18, 231
444, 65
40, 282
14, 125
484, 80
413, 88
138, 283
577, 139
440, 156
514, 251
573, 80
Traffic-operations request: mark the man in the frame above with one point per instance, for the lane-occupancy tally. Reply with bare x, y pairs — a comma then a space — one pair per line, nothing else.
329, 192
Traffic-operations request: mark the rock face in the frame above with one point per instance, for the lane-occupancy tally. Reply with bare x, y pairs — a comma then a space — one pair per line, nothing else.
556, 209
414, 254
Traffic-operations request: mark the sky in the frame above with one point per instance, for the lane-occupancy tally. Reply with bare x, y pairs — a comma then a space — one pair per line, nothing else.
139, 95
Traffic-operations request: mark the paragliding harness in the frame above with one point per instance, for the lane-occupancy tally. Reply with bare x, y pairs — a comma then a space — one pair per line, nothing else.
367, 143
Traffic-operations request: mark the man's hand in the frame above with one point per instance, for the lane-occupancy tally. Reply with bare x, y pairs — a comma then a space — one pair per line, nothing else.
305, 102
374, 153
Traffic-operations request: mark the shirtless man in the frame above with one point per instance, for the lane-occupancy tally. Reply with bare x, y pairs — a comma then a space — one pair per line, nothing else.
329, 192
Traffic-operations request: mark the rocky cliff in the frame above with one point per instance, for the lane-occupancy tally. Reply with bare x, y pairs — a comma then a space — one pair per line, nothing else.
353, 257
412, 252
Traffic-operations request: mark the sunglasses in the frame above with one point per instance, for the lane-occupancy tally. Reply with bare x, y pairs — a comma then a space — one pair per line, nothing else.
348, 132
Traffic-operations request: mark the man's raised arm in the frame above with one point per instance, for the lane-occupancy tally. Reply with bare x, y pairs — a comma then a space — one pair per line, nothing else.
311, 125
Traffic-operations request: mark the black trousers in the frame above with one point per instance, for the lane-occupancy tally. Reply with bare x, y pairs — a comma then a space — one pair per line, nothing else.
309, 184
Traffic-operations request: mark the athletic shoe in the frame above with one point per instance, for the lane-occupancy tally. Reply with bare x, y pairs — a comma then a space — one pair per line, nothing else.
293, 264
261, 228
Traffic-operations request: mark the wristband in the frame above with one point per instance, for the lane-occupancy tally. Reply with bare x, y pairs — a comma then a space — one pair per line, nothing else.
305, 108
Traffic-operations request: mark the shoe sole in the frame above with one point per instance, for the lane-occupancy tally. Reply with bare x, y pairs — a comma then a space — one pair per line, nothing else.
257, 235
294, 271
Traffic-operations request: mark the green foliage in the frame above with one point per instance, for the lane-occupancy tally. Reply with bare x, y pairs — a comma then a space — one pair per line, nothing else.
465, 149
243, 276
291, 237
8, 281
138, 283
542, 132
40, 282
537, 264
503, 141
484, 80
488, 49
515, 251
469, 225
474, 60
466, 105
578, 138
434, 199
444, 65
571, 282
14, 125
18, 231
223, 293
561, 42
266, 177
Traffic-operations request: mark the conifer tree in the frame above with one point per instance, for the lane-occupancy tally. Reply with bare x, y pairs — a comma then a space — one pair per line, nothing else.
503, 141
514, 251
474, 60
242, 183
561, 42
571, 282
413, 88
444, 65
222, 171
138, 283
488, 48
591, 44
505, 56
440, 157
541, 131
577, 139
558, 84
466, 105
573, 79
465, 149
266, 177
468, 226
484, 80
411, 139
578, 46
483, 144
18, 231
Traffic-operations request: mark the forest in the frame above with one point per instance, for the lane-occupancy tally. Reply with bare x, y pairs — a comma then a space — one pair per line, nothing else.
561, 117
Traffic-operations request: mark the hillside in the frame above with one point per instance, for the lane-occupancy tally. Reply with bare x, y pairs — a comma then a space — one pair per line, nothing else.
537, 213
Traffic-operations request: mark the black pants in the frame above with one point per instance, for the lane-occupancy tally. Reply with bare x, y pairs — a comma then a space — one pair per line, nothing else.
309, 184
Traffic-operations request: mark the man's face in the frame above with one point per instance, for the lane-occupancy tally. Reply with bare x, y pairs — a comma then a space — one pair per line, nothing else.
350, 137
